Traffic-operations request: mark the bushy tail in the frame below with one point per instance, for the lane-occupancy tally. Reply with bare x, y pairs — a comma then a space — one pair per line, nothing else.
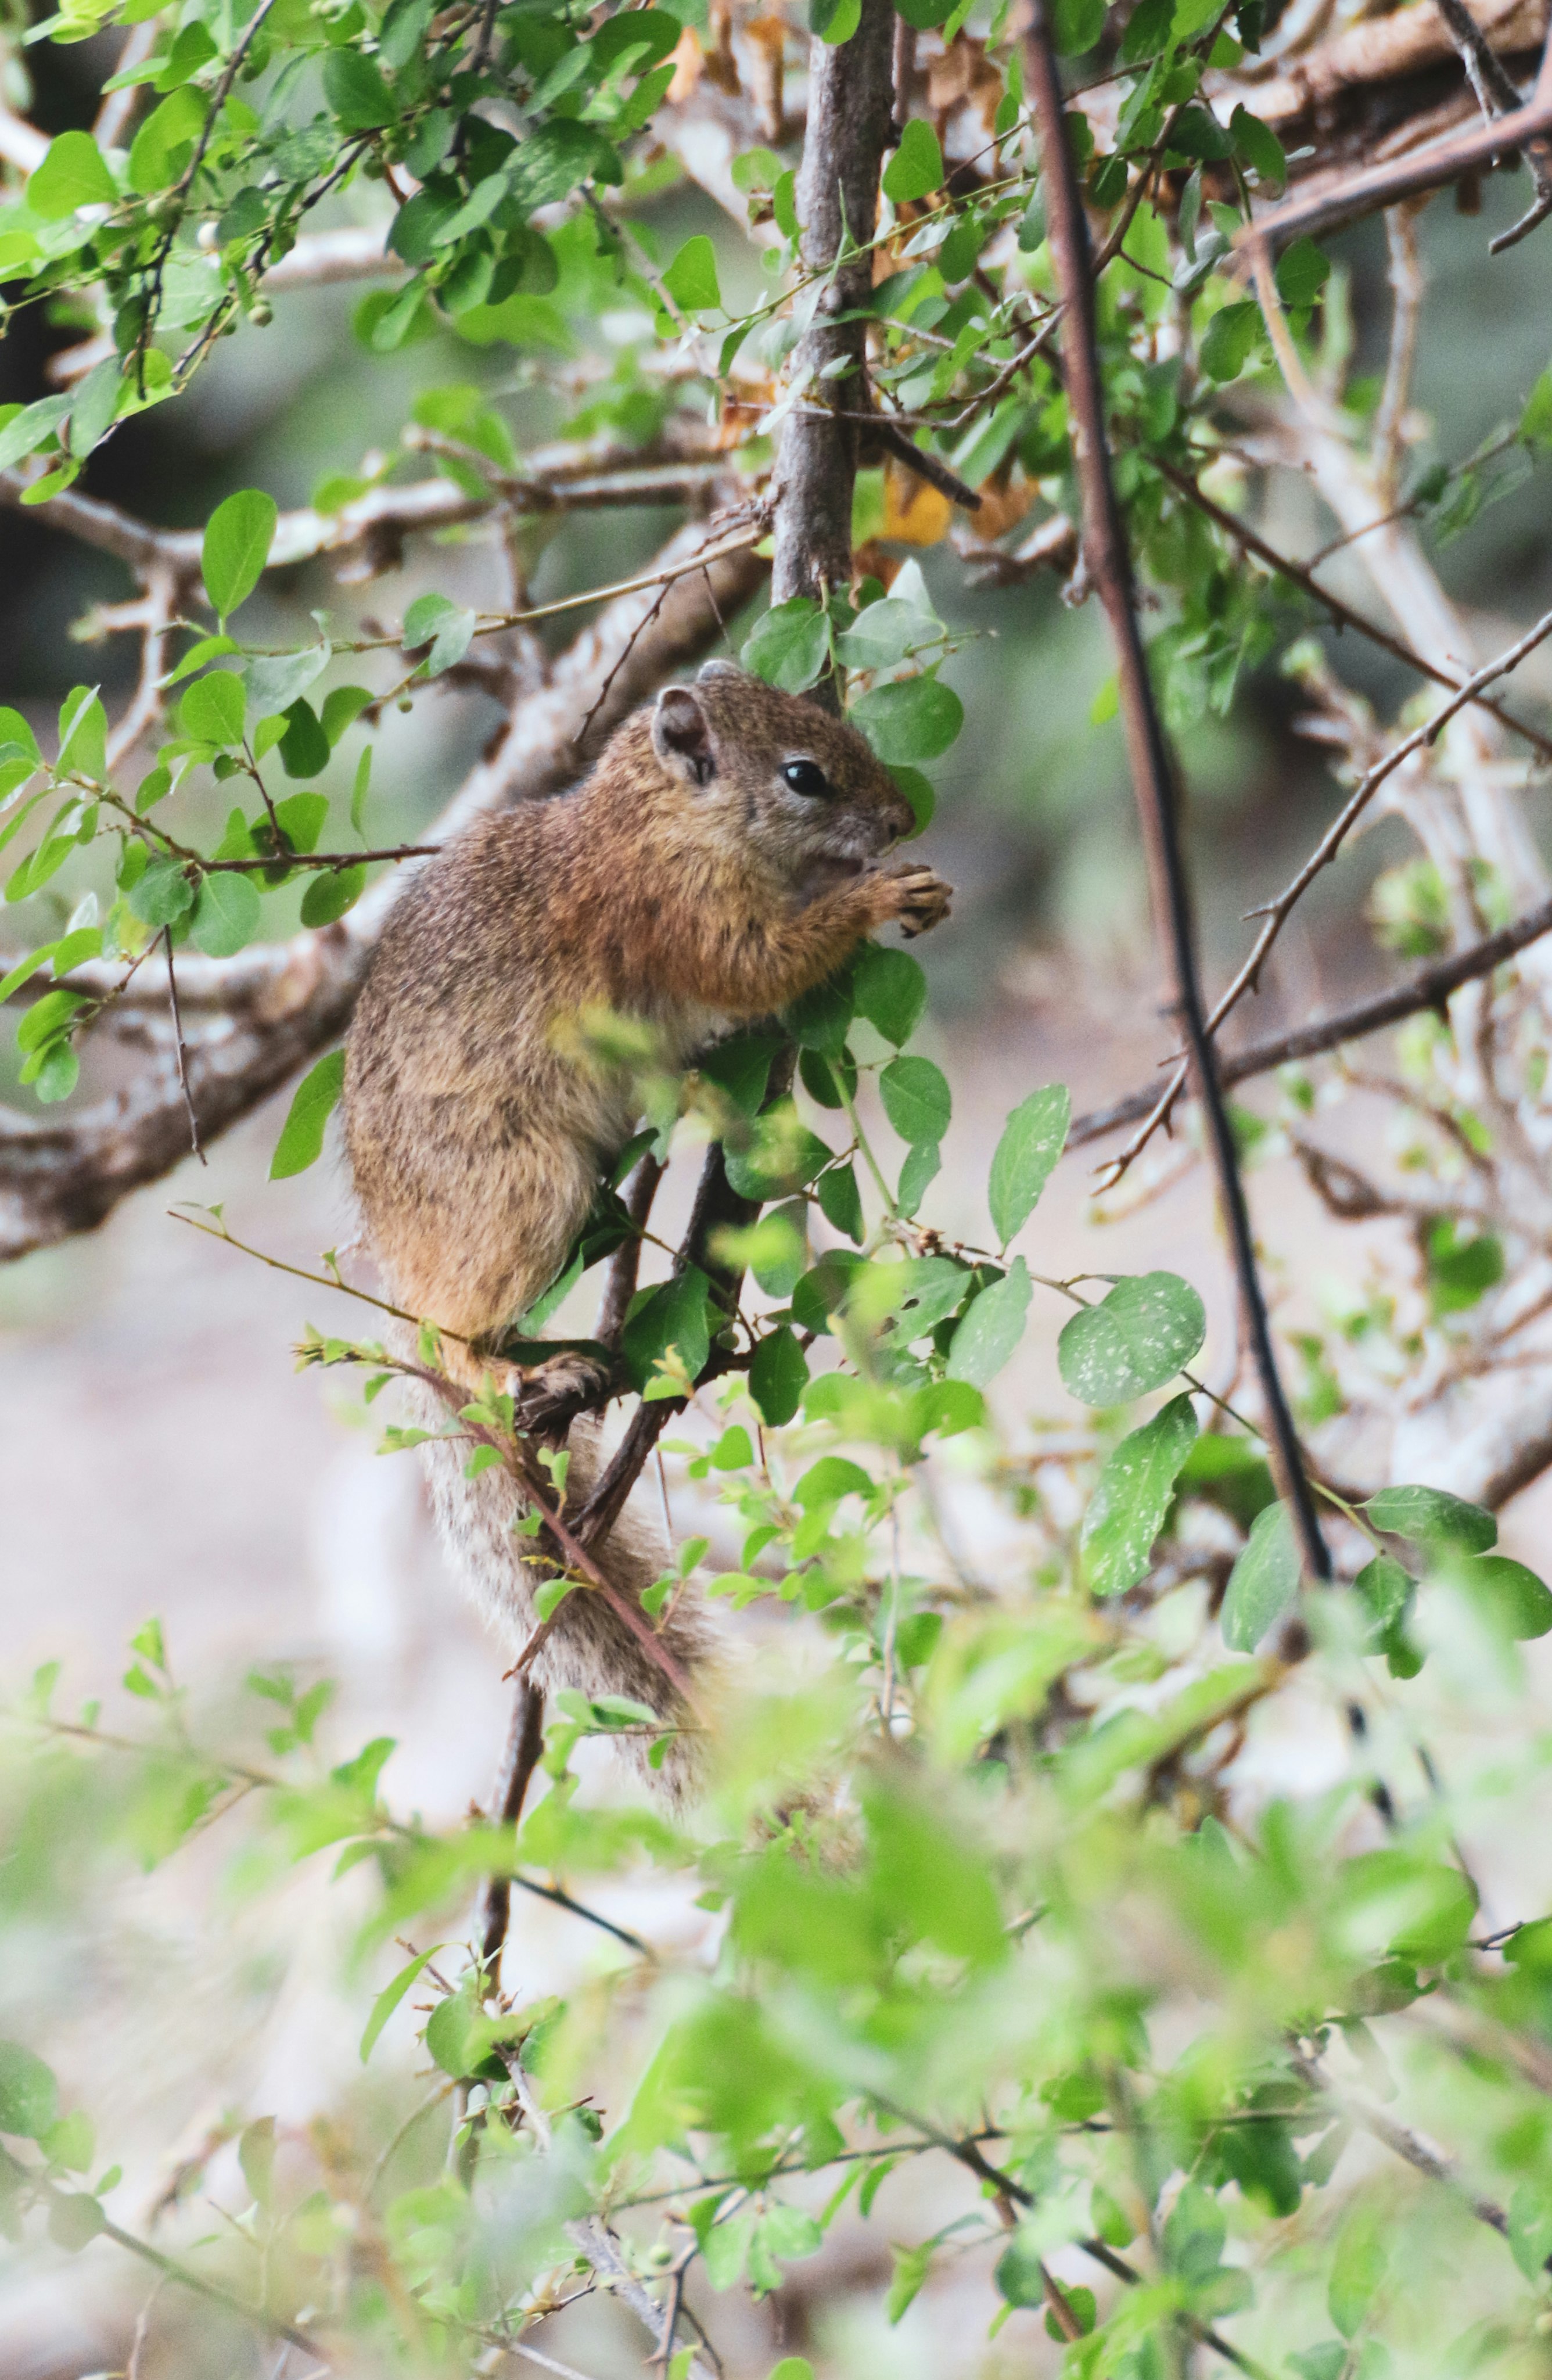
590, 1646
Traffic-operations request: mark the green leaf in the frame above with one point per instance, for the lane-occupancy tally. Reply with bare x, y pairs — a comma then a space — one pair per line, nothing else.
304, 749
834, 22
212, 710
789, 646
916, 1101
674, 1316
1514, 1599
73, 174
1301, 273
1033, 1139
226, 914
1536, 422
331, 893
237, 545
84, 733
1232, 337
391, 1995
1258, 145
841, 1201
1263, 1582
991, 1329
163, 894
446, 627
1430, 1517
28, 2094
354, 88
740, 1067
778, 1376
914, 719
301, 818
1134, 1339
889, 990
921, 1168
1358, 2266
27, 430
1077, 25
74, 2219
916, 165
313, 1102
1128, 1507
1462, 1265
275, 680
691, 279
70, 2142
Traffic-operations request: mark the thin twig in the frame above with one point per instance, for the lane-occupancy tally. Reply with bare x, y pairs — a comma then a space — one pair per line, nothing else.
186, 2279
178, 1043
1152, 772
1430, 988
1277, 912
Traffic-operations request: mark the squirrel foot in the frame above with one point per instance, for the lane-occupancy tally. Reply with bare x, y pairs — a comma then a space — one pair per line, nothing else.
548, 1399
919, 898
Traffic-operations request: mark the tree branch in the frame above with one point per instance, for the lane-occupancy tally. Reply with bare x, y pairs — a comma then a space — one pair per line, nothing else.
1153, 778
851, 94
1277, 912
59, 1177
1428, 988
1430, 168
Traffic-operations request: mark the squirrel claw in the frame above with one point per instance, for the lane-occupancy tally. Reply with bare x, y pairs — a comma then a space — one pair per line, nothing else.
548, 1400
922, 901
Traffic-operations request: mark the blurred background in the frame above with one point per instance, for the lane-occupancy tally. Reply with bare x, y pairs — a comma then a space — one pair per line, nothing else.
160, 1455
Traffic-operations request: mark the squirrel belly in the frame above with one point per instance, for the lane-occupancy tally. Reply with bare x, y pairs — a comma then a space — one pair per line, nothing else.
720, 858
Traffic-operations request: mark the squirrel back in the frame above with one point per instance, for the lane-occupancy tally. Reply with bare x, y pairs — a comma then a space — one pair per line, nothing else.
720, 859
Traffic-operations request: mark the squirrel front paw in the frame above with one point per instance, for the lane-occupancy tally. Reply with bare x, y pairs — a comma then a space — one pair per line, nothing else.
916, 896
548, 1398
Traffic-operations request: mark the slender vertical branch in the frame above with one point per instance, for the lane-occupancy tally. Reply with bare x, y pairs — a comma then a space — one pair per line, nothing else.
525, 1742
851, 99
1153, 777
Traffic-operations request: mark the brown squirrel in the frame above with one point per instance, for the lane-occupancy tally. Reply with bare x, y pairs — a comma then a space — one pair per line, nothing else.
720, 858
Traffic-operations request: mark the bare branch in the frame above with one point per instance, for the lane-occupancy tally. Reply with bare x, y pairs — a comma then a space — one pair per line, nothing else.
1430, 168
1277, 912
58, 1176
1429, 989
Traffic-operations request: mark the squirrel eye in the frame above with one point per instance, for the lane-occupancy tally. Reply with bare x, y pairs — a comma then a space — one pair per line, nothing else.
807, 777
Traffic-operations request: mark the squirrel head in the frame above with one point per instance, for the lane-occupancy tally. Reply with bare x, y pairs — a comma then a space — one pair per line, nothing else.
769, 769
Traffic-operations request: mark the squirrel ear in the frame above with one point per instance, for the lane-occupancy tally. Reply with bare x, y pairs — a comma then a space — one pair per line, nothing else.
721, 669
682, 736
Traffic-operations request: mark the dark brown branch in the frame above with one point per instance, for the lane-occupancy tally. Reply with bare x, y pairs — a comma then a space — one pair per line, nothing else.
1278, 912
1488, 76
625, 1264
1430, 988
718, 1207
1540, 156
1403, 177
1110, 567
850, 101
525, 1742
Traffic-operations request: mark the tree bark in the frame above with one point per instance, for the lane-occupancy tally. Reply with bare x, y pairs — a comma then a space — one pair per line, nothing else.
850, 103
